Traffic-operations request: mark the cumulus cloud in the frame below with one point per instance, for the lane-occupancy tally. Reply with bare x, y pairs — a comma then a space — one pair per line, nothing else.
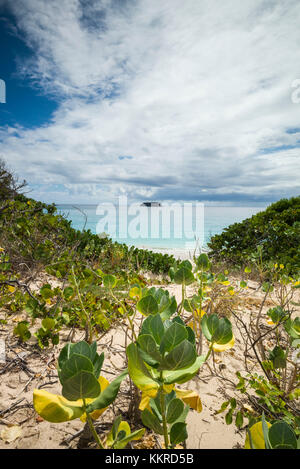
170, 100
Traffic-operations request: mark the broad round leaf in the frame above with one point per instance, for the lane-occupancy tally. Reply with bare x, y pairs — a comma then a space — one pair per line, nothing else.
178, 433
151, 421
139, 373
108, 393
182, 356
55, 408
184, 276
149, 346
81, 386
184, 375
109, 281
174, 410
175, 334
257, 436
147, 305
282, 436
74, 365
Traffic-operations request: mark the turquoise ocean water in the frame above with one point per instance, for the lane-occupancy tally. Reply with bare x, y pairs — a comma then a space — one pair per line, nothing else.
213, 221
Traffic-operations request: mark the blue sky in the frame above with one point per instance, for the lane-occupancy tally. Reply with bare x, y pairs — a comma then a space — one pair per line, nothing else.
172, 100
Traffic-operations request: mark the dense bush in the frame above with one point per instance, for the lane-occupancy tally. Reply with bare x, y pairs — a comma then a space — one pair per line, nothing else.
32, 233
274, 232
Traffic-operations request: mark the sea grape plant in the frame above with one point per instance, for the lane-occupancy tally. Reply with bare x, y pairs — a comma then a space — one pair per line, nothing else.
165, 354
85, 393
279, 435
218, 331
120, 434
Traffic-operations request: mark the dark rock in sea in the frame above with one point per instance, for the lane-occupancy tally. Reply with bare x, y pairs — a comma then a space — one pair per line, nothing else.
151, 204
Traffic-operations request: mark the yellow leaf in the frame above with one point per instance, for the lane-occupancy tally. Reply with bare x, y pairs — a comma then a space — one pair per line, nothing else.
145, 402
271, 323
11, 289
1, 249
55, 408
189, 397
123, 426
226, 282
11, 433
257, 436
223, 347
186, 395
96, 414
281, 266
168, 388
200, 314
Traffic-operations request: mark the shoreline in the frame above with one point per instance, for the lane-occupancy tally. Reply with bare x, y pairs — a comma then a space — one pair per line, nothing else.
178, 253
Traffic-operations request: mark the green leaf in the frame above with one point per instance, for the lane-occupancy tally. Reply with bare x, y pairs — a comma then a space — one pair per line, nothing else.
147, 305
151, 421
109, 281
276, 314
108, 395
228, 417
178, 433
278, 357
202, 262
137, 435
138, 371
148, 345
182, 356
265, 430
239, 419
82, 348
186, 263
97, 364
48, 323
80, 386
68, 293
184, 375
216, 330
74, 365
115, 426
282, 436
22, 330
267, 287
184, 276
175, 334
174, 410
157, 328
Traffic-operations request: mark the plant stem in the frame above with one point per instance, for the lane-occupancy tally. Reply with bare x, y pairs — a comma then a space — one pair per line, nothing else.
92, 428
209, 351
163, 414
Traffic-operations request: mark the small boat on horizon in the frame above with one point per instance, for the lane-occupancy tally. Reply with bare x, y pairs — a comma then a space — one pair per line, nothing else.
151, 204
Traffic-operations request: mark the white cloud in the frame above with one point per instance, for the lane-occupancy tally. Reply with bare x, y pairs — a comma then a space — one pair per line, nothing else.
191, 90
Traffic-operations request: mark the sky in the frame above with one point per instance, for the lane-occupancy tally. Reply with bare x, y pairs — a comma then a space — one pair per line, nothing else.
157, 100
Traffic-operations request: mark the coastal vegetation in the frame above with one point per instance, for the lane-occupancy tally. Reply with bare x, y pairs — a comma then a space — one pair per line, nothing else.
57, 284
271, 236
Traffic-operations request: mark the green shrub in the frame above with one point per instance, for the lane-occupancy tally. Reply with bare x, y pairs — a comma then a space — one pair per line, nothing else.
275, 231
